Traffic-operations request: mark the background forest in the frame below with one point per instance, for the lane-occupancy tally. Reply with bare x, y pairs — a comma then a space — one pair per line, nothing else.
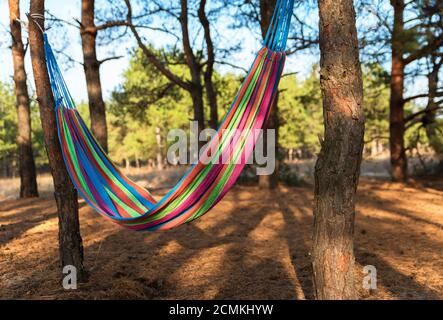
358, 117
147, 103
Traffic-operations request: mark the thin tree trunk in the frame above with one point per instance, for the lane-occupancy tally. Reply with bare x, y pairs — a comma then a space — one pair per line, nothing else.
399, 164
28, 176
211, 94
194, 87
430, 119
159, 157
198, 106
70, 241
97, 110
269, 181
338, 166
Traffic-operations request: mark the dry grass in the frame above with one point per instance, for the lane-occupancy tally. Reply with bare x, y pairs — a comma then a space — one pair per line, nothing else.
145, 176
10, 187
253, 245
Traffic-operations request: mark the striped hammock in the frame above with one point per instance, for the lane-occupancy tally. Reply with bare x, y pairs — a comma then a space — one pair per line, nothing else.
105, 188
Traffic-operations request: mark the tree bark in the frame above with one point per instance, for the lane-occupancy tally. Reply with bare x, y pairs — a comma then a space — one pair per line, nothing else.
269, 181
97, 109
430, 118
211, 93
194, 68
70, 241
338, 165
399, 163
28, 176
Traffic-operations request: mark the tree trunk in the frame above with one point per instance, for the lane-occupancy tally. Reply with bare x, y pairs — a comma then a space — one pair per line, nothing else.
159, 157
197, 103
338, 166
196, 87
212, 100
211, 94
399, 164
28, 176
430, 119
70, 241
97, 110
269, 181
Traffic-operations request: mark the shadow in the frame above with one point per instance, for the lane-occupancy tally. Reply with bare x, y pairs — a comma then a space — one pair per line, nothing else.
27, 218
299, 249
9, 205
433, 182
391, 207
381, 241
249, 269
397, 283
227, 254
184, 263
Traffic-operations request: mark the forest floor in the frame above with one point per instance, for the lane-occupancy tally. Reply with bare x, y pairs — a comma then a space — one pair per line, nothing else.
253, 245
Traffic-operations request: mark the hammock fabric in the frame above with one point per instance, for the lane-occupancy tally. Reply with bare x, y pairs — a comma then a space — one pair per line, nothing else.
105, 188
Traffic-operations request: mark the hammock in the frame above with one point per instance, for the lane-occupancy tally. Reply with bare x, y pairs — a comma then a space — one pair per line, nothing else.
106, 189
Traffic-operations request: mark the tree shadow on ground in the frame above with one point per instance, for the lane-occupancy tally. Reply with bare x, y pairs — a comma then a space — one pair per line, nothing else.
392, 207
222, 256
26, 218
300, 224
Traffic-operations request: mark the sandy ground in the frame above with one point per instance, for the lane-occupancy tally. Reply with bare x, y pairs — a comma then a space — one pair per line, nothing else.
252, 245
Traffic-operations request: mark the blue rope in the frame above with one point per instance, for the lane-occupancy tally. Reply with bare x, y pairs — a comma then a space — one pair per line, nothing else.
278, 30
58, 85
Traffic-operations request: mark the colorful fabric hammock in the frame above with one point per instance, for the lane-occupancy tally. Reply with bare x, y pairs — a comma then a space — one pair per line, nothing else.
105, 188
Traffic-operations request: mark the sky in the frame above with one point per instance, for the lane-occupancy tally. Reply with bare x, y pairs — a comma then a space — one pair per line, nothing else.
68, 10
111, 71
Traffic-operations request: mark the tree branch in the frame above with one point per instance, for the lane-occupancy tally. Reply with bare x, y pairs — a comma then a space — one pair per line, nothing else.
151, 56
423, 51
111, 24
109, 59
187, 48
422, 95
416, 114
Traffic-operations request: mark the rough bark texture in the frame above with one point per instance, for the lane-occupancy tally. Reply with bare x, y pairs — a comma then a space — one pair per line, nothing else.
70, 241
338, 166
399, 164
28, 177
91, 65
269, 181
